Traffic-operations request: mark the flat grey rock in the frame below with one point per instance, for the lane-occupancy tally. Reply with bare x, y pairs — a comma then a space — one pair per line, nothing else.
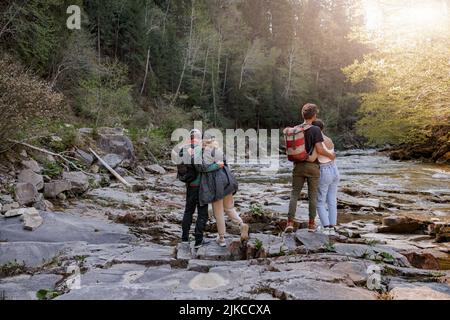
372, 253
25, 287
312, 241
115, 197
31, 254
149, 255
60, 227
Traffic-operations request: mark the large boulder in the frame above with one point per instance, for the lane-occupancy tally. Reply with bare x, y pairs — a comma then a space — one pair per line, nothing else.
54, 188
29, 176
114, 141
78, 180
26, 193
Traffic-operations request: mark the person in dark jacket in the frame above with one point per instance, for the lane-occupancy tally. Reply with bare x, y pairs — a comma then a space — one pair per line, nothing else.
218, 187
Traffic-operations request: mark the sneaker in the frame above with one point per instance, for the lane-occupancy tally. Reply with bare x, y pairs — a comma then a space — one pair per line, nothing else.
312, 225
244, 231
221, 242
289, 227
200, 244
324, 230
331, 231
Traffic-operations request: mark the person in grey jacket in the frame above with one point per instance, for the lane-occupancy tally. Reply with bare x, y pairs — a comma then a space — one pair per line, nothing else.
218, 187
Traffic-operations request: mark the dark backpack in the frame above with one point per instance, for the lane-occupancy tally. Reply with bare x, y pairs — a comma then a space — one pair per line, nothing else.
186, 171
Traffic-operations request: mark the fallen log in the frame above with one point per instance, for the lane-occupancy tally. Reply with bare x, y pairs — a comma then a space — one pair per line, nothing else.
114, 172
57, 155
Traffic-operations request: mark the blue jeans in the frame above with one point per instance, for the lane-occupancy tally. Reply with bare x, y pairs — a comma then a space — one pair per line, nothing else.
327, 195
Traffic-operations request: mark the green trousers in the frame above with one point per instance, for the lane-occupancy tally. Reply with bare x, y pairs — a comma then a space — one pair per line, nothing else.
309, 172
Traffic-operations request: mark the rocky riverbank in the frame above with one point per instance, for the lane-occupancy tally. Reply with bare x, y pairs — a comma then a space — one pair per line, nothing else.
392, 242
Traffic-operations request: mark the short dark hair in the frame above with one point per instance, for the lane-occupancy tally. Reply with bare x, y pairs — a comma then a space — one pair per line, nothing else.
319, 123
309, 110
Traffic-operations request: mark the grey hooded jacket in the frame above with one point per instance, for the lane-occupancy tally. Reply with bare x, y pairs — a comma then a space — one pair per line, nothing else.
217, 184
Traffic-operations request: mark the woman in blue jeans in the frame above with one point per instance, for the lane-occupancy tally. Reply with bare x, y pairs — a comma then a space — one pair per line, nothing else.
328, 187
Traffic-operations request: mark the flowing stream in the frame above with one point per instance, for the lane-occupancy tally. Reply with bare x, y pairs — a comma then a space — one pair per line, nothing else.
412, 187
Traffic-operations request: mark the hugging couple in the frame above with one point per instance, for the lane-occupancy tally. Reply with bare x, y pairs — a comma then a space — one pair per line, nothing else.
209, 179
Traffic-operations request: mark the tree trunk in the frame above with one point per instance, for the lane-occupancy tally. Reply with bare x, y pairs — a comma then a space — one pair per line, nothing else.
188, 53
225, 77
204, 70
98, 39
244, 64
214, 95
291, 64
146, 71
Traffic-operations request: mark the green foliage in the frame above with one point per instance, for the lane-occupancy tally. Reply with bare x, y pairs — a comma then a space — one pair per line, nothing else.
258, 244
47, 294
256, 210
52, 169
408, 91
329, 247
12, 269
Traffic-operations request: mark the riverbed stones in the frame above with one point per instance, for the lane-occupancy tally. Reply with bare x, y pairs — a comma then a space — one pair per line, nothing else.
358, 202
84, 157
29, 176
32, 165
113, 160
55, 188
422, 260
400, 224
26, 193
10, 206
78, 180
156, 168
401, 290
18, 212
31, 219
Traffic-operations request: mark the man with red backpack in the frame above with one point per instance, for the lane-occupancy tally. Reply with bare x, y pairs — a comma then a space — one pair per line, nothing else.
303, 144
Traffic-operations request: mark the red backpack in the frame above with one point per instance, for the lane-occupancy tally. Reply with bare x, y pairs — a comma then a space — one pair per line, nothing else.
295, 143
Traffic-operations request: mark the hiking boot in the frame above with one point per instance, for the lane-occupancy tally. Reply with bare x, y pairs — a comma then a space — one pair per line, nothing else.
244, 231
289, 227
312, 225
221, 241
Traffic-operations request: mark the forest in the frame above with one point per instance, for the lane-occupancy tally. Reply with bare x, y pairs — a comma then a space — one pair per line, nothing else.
379, 70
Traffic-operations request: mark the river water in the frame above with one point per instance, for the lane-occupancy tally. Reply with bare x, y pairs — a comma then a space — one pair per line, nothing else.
412, 187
